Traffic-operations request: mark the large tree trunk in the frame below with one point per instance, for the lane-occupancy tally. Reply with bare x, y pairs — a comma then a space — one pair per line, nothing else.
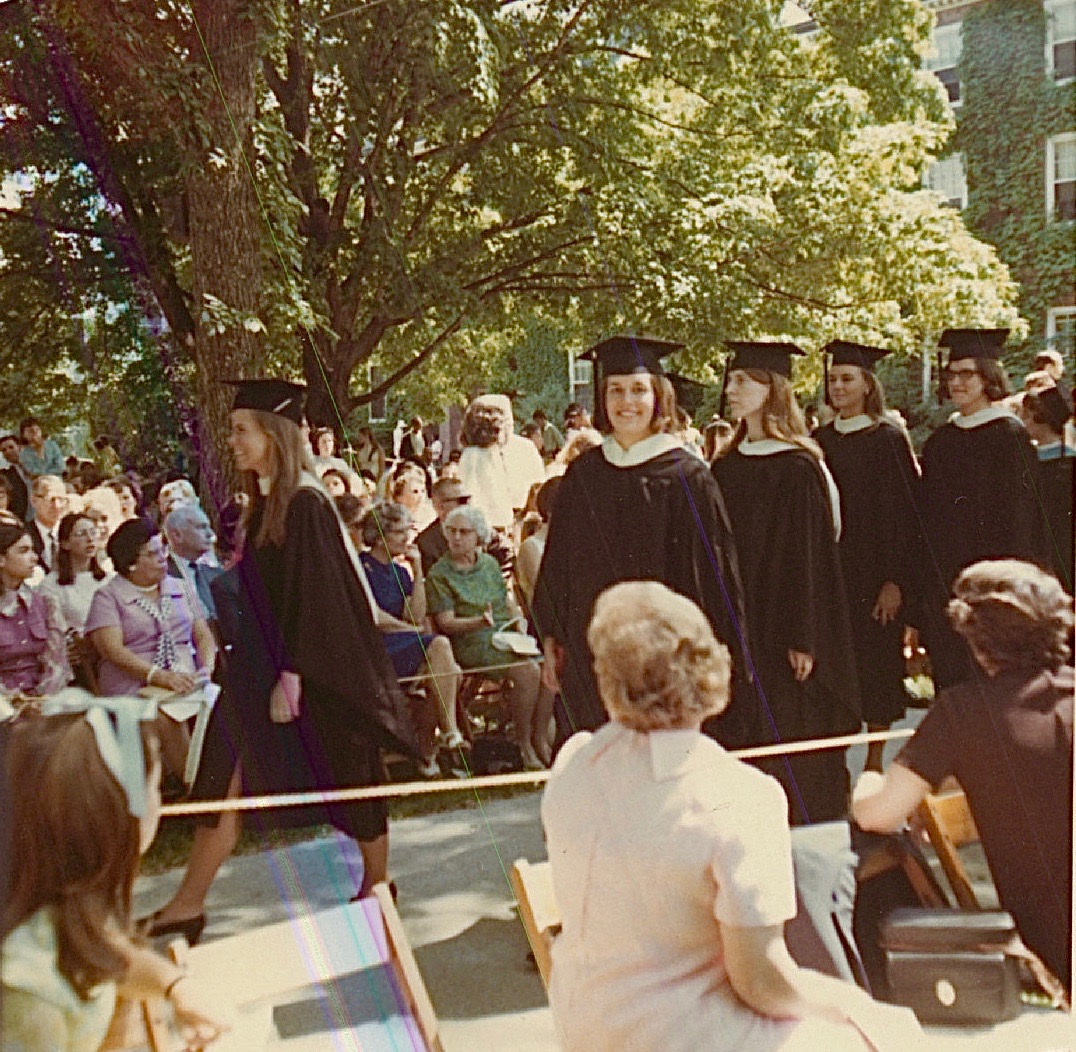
224, 234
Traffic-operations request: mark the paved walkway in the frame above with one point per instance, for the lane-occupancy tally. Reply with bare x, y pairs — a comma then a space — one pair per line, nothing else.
455, 901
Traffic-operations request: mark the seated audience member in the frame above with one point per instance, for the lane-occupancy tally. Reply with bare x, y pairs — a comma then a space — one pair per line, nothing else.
352, 511
576, 417
16, 476
104, 506
172, 494
334, 481
577, 441
5, 494
410, 486
394, 569
130, 498
468, 600
190, 546
39, 455
533, 546
369, 456
72, 583
654, 834
147, 633
85, 800
33, 650
448, 493
50, 501
1006, 736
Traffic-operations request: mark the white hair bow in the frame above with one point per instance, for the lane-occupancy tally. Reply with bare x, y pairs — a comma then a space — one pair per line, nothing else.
115, 723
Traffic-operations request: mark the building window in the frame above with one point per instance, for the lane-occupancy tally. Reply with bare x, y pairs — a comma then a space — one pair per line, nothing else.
1061, 330
948, 42
947, 177
1061, 177
580, 378
377, 408
1061, 39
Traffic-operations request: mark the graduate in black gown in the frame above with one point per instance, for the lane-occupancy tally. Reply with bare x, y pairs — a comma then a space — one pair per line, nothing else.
871, 461
979, 495
1045, 414
638, 507
785, 518
309, 694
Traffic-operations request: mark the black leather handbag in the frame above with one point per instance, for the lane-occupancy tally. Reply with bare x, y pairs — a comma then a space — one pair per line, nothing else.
953, 966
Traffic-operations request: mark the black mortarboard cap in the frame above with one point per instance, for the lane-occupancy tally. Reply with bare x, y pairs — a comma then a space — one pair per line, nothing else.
842, 352
771, 355
623, 355
270, 396
973, 343
1055, 407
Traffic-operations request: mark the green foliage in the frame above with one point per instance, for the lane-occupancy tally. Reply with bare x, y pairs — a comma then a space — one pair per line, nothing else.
1005, 86
478, 187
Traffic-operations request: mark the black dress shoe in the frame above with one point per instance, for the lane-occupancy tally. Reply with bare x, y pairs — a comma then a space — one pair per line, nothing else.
191, 929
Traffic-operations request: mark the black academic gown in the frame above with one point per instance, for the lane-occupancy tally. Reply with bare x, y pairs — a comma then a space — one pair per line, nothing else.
1054, 485
661, 520
979, 502
878, 481
300, 607
794, 597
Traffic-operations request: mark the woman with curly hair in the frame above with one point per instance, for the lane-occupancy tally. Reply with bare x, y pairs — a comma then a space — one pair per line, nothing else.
648, 802
1006, 736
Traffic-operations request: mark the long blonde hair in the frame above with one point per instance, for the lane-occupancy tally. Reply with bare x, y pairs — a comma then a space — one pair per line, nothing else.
288, 459
782, 417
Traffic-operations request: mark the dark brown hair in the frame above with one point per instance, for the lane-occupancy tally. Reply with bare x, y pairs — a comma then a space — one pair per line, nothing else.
1013, 614
65, 574
74, 845
995, 383
665, 419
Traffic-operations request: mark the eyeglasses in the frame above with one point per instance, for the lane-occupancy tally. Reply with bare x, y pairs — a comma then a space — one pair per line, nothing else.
960, 374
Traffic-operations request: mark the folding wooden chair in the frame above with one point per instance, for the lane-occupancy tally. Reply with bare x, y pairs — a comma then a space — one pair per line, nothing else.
532, 885
946, 819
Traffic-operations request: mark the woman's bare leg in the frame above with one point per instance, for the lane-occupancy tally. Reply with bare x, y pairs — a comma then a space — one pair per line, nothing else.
174, 744
445, 685
212, 845
523, 701
875, 750
542, 729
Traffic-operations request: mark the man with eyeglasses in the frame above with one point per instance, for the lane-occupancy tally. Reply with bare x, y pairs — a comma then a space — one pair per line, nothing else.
49, 499
448, 493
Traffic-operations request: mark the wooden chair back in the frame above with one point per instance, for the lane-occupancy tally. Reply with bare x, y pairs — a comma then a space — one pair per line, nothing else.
532, 885
947, 821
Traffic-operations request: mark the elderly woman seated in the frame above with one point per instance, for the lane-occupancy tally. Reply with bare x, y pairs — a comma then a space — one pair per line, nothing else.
469, 601
393, 567
672, 862
1006, 736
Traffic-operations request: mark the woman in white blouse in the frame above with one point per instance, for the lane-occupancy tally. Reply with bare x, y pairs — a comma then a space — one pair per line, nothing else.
672, 862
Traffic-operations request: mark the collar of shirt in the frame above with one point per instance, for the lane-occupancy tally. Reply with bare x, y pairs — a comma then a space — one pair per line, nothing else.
983, 416
852, 424
11, 600
1055, 451
127, 592
641, 452
676, 752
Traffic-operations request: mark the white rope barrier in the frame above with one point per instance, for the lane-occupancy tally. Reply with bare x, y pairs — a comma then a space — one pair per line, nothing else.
485, 781
469, 671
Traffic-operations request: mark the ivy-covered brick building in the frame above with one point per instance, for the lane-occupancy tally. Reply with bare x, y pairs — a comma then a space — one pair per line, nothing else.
1009, 67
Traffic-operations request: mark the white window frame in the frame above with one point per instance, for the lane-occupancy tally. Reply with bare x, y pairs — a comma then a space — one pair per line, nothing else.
1052, 143
954, 159
373, 378
1054, 332
1052, 6
938, 64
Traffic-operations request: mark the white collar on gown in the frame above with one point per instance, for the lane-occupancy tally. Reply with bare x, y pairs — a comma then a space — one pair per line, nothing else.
852, 424
983, 416
641, 452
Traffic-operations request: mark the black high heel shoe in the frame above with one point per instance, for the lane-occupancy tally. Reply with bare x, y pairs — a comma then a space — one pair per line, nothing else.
191, 929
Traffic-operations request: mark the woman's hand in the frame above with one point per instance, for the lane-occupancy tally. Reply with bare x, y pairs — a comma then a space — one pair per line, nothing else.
414, 559
802, 664
199, 1013
487, 616
178, 682
887, 604
554, 657
285, 698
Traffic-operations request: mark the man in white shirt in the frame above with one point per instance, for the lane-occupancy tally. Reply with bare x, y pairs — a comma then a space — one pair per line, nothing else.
190, 540
49, 500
